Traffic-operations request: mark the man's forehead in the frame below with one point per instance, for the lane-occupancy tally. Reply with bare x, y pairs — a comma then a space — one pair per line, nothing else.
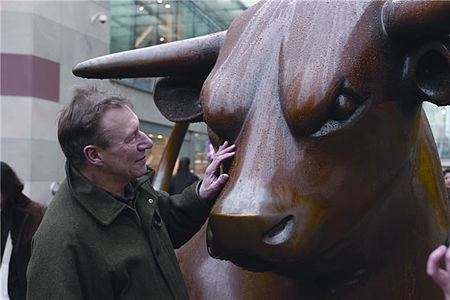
120, 118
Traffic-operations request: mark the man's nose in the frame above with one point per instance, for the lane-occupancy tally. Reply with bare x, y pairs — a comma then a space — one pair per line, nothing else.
145, 142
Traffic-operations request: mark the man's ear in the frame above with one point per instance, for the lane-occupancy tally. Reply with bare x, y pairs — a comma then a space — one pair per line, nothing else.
92, 155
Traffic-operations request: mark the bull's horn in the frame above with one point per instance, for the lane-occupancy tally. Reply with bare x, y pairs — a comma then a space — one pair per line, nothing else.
414, 20
195, 55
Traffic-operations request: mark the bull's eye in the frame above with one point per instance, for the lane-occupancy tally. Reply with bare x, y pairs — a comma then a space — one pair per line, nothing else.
344, 107
347, 107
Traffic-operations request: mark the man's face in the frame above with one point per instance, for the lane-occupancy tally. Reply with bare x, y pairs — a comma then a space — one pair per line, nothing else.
447, 181
125, 159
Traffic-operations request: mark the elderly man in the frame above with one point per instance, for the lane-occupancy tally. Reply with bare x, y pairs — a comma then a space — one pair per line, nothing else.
108, 234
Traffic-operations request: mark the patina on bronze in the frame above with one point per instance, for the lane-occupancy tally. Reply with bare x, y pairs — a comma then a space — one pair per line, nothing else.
336, 190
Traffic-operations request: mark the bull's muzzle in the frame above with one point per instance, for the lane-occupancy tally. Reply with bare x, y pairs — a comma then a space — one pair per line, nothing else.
248, 239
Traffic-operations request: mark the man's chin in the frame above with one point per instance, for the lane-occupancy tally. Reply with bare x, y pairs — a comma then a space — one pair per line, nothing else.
141, 172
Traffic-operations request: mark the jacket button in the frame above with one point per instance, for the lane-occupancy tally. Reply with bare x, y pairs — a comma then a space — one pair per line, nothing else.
150, 200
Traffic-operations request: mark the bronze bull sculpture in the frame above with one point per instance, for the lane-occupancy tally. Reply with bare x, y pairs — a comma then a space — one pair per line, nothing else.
336, 190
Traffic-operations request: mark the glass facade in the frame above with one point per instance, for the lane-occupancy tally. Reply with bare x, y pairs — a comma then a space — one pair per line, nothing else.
138, 24
195, 146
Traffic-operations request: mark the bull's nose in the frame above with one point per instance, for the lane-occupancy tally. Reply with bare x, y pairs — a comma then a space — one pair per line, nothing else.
229, 236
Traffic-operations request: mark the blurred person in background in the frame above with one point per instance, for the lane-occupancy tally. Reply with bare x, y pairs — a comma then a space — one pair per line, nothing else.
183, 178
20, 218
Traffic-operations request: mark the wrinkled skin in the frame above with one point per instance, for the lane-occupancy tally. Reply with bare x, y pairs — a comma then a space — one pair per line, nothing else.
335, 190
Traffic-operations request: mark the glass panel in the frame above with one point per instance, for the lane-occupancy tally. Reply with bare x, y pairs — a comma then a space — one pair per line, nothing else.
142, 23
200, 146
155, 153
195, 146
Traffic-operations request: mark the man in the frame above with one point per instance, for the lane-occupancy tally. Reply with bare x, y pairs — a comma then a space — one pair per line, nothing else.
20, 218
441, 276
108, 234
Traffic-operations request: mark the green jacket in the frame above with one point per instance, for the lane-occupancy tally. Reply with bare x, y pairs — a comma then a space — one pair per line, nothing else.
93, 246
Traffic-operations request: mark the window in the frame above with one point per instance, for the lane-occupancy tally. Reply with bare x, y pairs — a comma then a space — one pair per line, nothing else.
195, 146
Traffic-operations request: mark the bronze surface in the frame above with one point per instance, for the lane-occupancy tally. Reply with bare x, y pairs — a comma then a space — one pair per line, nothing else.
336, 189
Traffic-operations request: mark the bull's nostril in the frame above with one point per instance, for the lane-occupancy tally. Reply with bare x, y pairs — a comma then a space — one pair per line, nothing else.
209, 240
280, 232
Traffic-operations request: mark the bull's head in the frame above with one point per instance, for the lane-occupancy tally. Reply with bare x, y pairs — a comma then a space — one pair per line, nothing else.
323, 99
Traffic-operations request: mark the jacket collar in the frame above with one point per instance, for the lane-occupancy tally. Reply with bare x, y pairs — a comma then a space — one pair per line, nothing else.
101, 205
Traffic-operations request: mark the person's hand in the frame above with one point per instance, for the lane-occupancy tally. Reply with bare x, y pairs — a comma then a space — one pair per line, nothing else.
213, 181
439, 275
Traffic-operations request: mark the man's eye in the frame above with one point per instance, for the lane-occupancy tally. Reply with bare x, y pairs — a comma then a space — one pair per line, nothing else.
132, 138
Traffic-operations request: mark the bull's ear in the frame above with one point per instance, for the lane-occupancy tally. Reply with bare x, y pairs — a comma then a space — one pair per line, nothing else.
426, 23
427, 72
178, 98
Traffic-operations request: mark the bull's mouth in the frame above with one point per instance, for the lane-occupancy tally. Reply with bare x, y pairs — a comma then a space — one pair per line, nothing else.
255, 264
252, 264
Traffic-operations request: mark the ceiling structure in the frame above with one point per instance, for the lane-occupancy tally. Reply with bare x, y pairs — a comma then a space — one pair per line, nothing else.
142, 23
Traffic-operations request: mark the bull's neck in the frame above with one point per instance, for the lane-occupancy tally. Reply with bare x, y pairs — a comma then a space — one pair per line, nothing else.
385, 255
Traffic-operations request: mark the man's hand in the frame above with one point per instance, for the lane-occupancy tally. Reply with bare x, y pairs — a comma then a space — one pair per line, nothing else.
439, 275
213, 182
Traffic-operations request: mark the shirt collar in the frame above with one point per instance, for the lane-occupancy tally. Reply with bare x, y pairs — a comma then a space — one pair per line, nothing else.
102, 205
128, 195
